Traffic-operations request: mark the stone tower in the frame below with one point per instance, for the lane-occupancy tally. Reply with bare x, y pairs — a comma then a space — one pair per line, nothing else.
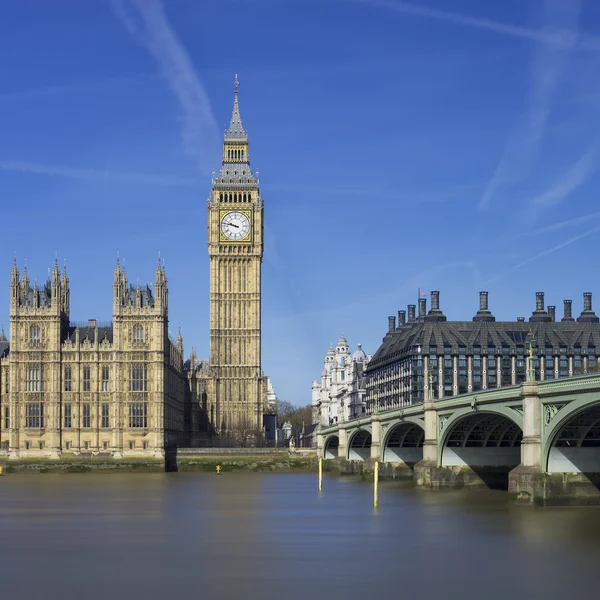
37, 317
235, 247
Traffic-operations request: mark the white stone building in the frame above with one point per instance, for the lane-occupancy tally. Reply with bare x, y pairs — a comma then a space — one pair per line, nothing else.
340, 395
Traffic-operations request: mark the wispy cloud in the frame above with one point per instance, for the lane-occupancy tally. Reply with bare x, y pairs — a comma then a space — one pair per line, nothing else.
147, 22
83, 86
560, 23
545, 253
104, 176
568, 182
546, 36
565, 224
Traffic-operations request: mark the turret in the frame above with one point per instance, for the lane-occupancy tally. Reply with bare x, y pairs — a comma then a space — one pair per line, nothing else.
65, 292
160, 288
24, 285
180, 342
14, 287
55, 289
119, 286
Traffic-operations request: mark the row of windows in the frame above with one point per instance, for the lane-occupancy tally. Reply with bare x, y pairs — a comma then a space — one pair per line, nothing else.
86, 445
449, 350
34, 415
34, 380
235, 154
235, 197
35, 336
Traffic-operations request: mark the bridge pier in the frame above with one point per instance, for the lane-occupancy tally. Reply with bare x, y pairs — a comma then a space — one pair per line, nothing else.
526, 482
426, 471
343, 445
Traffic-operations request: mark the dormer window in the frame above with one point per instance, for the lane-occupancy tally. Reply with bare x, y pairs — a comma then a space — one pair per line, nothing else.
138, 335
34, 334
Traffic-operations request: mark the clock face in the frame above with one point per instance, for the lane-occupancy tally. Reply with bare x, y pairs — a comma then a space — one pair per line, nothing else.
235, 226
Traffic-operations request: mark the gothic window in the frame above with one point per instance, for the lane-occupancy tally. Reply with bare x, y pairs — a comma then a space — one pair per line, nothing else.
138, 379
68, 381
34, 415
34, 334
242, 155
138, 414
7, 381
86, 379
34, 378
105, 417
105, 379
7, 417
138, 335
67, 416
87, 416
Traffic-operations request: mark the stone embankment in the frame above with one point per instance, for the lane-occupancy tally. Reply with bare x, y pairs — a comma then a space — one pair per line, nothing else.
243, 459
183, 460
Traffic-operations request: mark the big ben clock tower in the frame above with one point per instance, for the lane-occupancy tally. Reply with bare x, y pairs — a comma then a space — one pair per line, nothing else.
235, 247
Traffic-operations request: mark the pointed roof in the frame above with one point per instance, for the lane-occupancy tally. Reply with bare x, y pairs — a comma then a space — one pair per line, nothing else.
342, 341
236, 129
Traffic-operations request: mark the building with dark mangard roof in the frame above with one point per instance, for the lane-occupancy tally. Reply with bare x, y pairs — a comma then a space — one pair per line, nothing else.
424, 350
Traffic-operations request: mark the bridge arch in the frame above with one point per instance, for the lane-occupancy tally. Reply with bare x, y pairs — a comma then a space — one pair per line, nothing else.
359, 445
403, 441
330, 447
488, 437
572, 440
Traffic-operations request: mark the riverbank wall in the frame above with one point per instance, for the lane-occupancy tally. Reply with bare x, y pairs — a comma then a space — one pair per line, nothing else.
258, 460
179, 460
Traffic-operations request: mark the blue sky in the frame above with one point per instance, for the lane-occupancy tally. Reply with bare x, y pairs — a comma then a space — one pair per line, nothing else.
448, 144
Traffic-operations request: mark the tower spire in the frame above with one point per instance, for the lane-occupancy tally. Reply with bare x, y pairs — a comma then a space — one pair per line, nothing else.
236, 130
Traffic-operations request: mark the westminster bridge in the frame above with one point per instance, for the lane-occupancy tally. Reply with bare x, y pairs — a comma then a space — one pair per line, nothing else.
541, 439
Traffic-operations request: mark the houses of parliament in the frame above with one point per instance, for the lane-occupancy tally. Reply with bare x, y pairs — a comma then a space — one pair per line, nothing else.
124, 387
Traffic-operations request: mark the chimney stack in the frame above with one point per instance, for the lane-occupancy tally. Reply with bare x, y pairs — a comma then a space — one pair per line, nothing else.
392, 323
552, 313
401, 318
411, 312
539, 315
539, 301
422, 307
568, 310
588, 315
520, 319
483, 314
483, 301
435, 314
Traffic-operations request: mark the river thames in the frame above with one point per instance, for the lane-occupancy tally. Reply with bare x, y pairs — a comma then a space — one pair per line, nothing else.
256, 536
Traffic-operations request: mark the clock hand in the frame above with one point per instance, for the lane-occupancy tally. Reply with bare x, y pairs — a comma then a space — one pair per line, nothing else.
234, 225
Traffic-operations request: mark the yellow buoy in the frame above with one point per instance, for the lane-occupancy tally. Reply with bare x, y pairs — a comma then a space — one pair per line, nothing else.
1, 470
218, 469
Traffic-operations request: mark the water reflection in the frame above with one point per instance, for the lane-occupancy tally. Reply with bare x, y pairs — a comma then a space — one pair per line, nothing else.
272, 535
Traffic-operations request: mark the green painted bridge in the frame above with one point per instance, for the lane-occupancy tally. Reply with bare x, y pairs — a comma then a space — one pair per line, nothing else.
540, 439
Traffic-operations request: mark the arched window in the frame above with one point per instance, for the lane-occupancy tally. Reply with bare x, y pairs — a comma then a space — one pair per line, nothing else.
249, 197
138, 335
230, 197
244, 197
242, 155
35, 334
221, 197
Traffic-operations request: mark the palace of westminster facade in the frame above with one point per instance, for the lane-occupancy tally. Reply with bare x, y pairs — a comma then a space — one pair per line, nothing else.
124, 388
